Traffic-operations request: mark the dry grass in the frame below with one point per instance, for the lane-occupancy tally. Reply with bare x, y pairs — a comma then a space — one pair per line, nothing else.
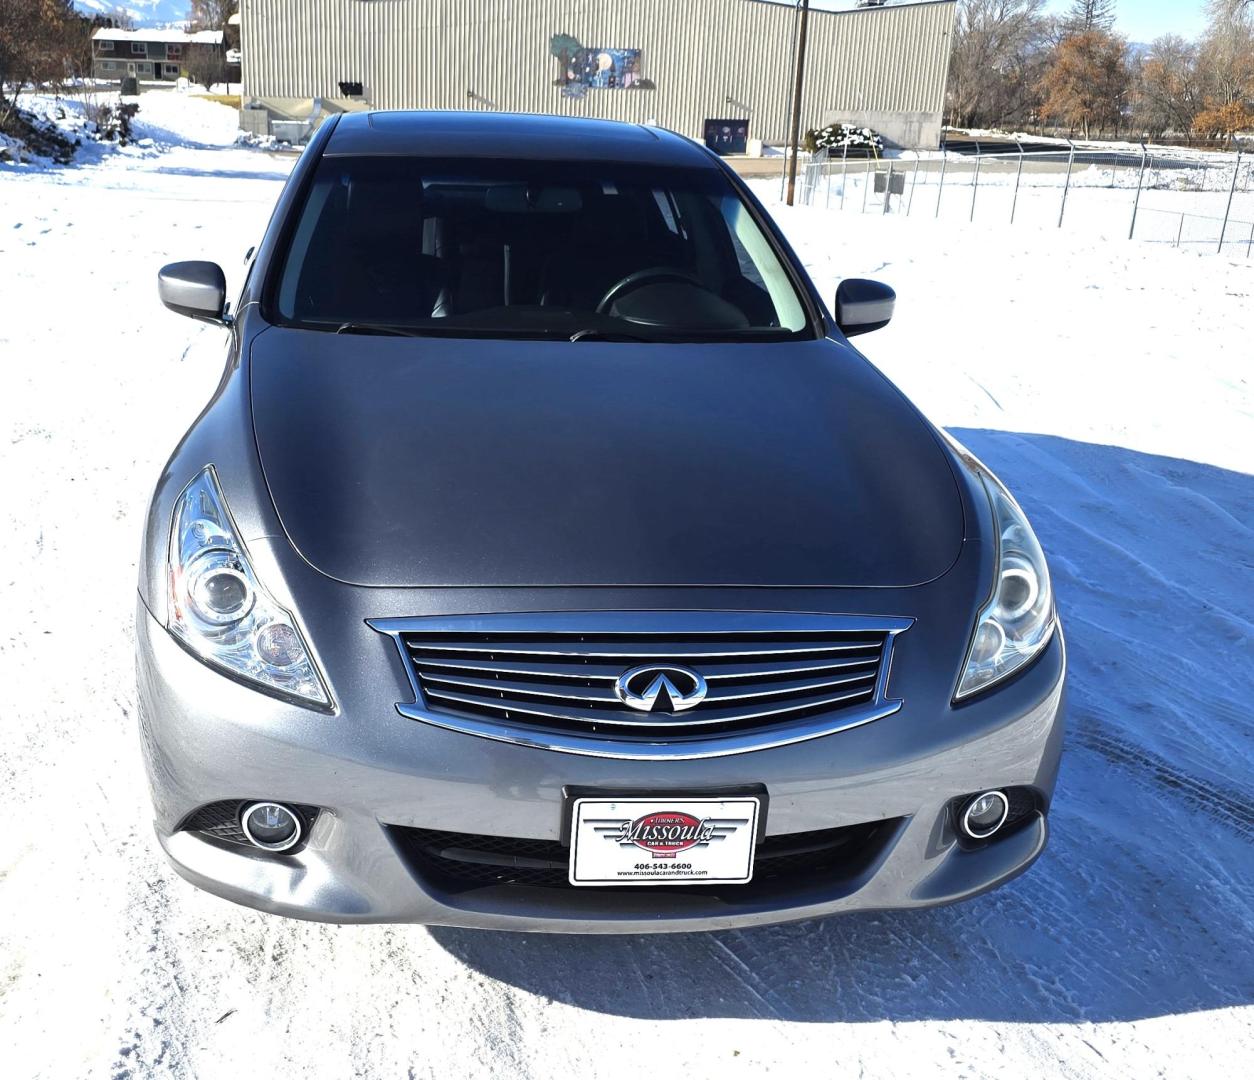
222, 99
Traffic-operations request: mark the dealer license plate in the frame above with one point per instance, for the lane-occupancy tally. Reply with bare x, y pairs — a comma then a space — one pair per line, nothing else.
653, 841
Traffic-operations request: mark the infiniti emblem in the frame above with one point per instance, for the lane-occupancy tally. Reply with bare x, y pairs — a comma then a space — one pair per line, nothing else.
660, 688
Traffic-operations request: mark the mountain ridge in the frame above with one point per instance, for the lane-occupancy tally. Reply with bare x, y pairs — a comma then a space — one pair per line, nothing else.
143, 13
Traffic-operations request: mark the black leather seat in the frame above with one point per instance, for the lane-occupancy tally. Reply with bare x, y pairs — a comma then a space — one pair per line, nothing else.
371, 268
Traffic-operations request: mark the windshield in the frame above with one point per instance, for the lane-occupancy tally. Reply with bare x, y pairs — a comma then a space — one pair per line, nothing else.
532, 249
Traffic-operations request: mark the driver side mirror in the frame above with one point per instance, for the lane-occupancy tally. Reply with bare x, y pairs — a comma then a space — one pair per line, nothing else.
195, 289
863, 305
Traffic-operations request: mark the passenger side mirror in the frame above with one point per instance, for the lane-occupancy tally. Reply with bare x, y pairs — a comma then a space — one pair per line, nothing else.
195, 289
863, 305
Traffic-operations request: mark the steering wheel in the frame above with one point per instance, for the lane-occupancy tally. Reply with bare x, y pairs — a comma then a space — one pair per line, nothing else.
636, 279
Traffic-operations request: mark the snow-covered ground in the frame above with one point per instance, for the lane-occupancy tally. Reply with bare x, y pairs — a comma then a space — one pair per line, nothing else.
1184, 195
1109, 383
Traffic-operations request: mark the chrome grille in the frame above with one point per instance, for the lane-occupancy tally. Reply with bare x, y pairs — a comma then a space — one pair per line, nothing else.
549, 678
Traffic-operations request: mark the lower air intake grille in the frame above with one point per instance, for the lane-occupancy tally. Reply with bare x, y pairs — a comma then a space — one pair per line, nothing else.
570, 675
460, 861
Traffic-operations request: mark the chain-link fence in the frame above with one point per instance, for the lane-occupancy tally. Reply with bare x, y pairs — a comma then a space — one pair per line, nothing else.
1188, 199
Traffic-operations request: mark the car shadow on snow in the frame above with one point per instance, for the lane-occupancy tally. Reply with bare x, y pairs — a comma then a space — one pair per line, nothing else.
1142, 902
266, 170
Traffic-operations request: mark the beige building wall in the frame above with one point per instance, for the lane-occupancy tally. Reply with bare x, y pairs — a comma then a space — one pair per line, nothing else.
701, 59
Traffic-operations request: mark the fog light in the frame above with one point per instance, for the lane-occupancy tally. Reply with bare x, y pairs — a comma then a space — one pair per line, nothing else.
270, 826
985, 814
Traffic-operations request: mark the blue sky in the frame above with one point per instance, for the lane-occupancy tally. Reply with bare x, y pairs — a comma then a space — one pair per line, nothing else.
1144, 20
1137, 20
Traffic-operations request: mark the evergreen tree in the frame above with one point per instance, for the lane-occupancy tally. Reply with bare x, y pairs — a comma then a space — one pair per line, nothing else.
1086, 15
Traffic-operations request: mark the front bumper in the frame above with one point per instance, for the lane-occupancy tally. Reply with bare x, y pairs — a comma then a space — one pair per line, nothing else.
207, 738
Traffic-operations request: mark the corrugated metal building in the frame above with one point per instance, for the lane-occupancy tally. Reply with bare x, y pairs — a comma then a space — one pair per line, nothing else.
677, 63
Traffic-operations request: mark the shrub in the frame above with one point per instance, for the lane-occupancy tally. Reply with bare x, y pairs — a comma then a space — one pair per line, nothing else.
204, 66
113, 122
836, 136
1224, 120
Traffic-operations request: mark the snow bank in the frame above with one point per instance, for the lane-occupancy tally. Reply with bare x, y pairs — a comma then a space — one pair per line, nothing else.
167, 120
65, 118
177, 119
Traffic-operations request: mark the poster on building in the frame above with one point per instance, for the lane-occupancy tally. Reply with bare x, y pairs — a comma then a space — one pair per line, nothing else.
727, 136
581, 68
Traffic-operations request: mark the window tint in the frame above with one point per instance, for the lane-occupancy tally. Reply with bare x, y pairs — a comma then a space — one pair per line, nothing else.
524, 248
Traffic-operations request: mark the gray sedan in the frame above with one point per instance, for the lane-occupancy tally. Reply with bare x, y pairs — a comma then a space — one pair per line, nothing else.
547, 559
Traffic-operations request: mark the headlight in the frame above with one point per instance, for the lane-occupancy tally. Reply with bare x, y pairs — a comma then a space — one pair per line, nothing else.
1018, 620
219, 609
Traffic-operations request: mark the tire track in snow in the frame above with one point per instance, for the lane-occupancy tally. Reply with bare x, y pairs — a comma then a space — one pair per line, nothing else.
1234, 810
747, 976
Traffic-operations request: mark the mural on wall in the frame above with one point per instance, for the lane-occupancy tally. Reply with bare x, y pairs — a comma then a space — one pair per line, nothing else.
581, 69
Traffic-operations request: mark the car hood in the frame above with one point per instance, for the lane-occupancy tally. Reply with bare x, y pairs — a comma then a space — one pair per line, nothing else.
440, 462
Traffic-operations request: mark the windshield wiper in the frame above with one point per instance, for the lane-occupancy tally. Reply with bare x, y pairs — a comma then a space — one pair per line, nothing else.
386, 330
605, 335
373, 328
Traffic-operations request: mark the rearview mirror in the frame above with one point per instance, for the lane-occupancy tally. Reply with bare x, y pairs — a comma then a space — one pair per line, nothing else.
521, 199
195, 289
863, 305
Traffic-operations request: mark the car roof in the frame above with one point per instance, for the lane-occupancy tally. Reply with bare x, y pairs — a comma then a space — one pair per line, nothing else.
510, 135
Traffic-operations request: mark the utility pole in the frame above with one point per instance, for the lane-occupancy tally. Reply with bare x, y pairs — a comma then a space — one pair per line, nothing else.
799, 74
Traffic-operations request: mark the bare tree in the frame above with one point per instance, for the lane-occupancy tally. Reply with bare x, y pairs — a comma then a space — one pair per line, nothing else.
35, 45
213, 15
998, 45
1227, 52
118, 18
1168, 90
210, 14
205, 64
